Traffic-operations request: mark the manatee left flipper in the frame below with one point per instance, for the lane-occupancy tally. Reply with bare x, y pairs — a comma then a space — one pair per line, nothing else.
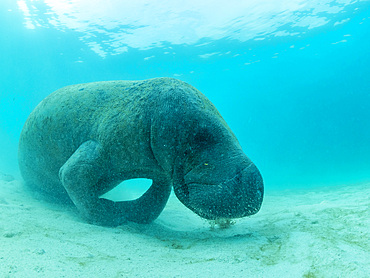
84, 176
80, 176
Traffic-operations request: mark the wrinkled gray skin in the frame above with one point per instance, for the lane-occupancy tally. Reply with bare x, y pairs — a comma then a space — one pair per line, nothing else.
83, 140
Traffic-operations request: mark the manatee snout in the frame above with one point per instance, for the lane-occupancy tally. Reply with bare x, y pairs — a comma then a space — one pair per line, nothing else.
215, 196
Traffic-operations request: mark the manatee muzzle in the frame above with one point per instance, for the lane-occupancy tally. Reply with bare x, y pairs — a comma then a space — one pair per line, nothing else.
237, 196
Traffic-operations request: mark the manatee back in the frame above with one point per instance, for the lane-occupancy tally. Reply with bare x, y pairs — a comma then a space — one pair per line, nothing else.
60, 124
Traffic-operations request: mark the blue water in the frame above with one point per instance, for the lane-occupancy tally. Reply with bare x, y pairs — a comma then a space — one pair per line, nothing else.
293, 82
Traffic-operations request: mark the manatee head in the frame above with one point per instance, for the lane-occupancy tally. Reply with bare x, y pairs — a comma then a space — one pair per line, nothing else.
214, 178
211, 174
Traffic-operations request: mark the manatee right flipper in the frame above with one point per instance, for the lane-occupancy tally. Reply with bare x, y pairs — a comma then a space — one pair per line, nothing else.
85, 177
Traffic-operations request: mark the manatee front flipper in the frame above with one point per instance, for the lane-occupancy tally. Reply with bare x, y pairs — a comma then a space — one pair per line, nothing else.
84, 176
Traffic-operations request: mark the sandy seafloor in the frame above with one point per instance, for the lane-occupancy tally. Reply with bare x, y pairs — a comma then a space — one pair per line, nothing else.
321, 232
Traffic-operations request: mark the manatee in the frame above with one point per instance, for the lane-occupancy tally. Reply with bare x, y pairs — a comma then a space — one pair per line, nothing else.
83, 140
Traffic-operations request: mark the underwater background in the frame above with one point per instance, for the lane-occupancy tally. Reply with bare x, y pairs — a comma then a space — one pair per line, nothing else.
291, 78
